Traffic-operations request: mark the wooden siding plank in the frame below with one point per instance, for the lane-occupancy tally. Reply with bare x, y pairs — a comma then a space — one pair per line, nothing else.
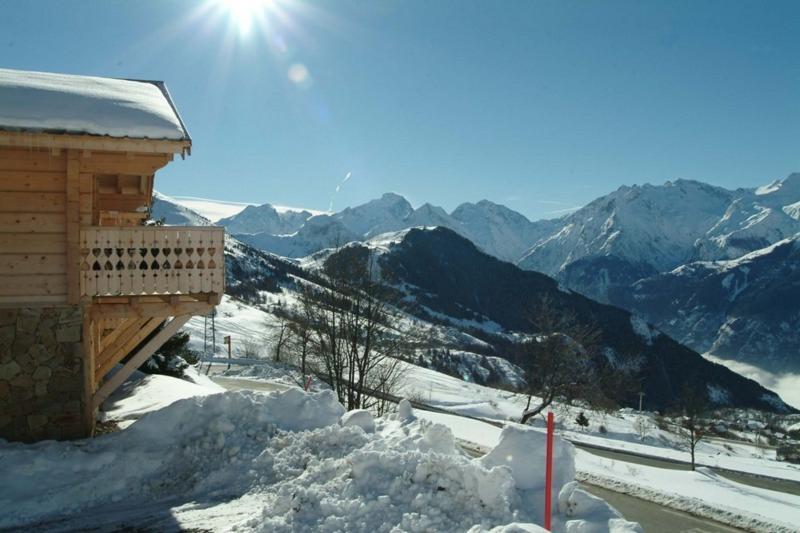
51, 223
32, 202
32, 263
31, 181
33, 243
33, 285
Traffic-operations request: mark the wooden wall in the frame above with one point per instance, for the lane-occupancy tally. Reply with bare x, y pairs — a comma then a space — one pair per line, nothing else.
46, 196
33, 241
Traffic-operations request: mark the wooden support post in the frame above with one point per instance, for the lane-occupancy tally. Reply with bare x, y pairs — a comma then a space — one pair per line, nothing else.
138, 358
89, 349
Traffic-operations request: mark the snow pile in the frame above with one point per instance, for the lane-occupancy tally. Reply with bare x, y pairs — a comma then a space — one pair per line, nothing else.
42, 101
360, 418
286, 461
142, 393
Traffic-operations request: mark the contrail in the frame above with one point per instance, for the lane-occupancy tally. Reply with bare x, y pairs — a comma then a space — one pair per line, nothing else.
338, 188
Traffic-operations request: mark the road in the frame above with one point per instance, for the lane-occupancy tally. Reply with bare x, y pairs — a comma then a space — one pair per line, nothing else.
653, 517
237, 384
789, 487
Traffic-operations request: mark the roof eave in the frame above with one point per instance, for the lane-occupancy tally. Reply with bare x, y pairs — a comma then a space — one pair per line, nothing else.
63, 140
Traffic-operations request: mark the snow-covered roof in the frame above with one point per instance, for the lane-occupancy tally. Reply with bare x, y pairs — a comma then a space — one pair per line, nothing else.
43, 102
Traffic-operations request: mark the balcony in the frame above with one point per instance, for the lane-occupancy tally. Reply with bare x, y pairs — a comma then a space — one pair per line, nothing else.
151, 261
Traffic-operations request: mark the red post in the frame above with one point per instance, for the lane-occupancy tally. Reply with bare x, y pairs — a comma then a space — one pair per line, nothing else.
308, 383
548, 479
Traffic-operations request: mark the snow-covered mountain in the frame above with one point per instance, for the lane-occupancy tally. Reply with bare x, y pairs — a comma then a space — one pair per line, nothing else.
634, 234
498, 230
744, 309
669, 225
265, 219
471, 300
387, 213
316, 233
494, 228
657, 225
754, 220
445, 278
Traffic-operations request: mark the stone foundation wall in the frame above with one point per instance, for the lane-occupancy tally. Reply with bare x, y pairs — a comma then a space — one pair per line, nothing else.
41, 374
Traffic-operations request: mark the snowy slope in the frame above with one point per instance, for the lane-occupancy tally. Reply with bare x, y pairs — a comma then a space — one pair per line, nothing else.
173, 213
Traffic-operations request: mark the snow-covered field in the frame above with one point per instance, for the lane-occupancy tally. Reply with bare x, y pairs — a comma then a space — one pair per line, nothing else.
285, 461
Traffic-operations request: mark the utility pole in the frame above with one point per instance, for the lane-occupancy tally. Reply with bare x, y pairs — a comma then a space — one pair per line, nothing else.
641, 395
227, 340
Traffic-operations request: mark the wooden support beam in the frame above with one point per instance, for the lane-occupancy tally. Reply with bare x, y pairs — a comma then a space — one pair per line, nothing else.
123, 346
116, 330
138, 358
151, 309
89, 352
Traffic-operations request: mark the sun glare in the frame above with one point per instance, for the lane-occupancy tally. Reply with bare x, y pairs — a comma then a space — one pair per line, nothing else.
243, 13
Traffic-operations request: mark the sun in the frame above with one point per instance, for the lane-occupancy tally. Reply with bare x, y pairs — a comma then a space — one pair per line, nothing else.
244, 13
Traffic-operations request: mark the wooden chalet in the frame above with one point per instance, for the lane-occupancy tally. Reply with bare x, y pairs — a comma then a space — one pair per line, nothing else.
83, 282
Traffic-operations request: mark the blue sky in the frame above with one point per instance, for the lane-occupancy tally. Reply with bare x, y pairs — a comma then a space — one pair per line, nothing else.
539, 105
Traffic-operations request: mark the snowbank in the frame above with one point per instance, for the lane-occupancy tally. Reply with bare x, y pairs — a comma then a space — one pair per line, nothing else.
142, 393
280, 462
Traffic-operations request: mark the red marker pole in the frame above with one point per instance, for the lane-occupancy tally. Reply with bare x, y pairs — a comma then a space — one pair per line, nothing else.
308, 384
548, 477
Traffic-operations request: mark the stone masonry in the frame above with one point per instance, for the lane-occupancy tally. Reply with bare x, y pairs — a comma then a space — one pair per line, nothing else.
41, 374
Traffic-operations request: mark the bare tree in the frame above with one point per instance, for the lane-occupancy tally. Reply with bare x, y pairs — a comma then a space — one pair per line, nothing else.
277, 333
558, 361
693, 408
346, 329
642, 425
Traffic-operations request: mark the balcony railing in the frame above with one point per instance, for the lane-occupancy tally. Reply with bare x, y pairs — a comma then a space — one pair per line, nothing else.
157, 260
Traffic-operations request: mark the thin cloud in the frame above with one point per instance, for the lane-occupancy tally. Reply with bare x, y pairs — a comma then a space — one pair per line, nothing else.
338, 188
567, 210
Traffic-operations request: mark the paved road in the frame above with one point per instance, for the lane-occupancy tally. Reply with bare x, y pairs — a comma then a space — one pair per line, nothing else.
789, 487
236, 384
654, 518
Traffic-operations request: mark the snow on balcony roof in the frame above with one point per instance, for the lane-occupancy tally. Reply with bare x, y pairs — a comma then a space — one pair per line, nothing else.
44, 102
